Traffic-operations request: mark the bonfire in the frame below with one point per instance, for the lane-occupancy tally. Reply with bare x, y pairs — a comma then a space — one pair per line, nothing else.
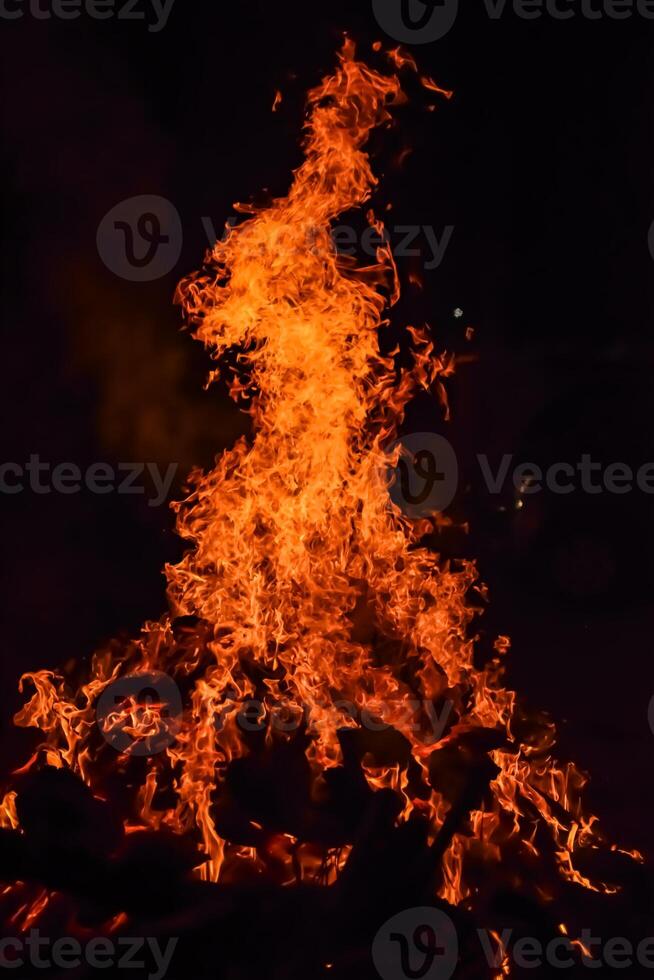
315, 715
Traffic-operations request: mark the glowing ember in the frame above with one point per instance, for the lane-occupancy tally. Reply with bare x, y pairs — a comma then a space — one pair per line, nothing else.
309, 589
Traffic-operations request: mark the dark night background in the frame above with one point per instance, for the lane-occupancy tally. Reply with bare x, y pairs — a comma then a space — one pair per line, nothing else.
541, 162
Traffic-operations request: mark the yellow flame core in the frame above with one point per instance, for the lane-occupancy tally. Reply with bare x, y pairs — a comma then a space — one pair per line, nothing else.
299, 564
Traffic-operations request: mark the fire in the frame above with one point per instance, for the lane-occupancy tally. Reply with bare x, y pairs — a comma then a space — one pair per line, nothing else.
311, 596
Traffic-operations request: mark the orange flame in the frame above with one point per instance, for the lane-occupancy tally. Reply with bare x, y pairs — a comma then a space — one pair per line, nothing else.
304, 573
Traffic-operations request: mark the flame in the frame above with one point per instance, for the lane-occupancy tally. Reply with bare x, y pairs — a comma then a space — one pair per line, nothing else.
311, 587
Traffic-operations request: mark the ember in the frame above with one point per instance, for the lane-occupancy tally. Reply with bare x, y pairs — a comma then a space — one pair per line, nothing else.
304, 605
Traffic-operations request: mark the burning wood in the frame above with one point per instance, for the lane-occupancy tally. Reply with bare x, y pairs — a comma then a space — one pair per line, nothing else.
305, 594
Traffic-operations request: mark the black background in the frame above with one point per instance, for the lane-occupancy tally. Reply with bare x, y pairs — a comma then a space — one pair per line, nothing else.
542, 162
